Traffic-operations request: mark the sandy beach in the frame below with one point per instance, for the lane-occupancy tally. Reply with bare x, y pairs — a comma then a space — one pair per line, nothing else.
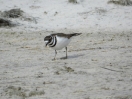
99, 64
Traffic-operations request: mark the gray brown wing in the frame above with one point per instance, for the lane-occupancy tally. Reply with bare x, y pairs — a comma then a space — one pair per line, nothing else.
66, 35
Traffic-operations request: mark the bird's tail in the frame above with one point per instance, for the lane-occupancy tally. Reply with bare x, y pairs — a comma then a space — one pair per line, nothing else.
76, 34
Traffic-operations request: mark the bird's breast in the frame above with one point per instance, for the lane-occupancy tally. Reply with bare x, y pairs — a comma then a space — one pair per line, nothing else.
61, 43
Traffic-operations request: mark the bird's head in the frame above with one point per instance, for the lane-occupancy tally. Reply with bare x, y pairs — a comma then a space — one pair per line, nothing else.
47, 40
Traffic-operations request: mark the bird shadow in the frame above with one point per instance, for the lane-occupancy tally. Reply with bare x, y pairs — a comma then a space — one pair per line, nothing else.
72, 56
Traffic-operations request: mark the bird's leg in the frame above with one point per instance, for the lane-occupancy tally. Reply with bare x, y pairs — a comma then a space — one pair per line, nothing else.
55, 55
66, 52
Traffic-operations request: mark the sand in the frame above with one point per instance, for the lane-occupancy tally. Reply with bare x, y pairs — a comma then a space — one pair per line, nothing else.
99, 64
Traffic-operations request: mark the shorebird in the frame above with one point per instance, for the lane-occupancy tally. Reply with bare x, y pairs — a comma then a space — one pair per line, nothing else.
58, 41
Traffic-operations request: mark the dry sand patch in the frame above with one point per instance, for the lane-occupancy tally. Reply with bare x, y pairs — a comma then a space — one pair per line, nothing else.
98, 66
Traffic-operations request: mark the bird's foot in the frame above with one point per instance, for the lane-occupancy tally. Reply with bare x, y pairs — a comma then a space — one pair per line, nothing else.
63, 58
53, 59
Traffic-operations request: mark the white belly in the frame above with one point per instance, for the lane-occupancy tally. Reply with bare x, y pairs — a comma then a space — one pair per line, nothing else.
61, 43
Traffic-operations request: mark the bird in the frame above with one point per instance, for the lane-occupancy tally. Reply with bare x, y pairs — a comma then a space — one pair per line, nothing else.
58, 41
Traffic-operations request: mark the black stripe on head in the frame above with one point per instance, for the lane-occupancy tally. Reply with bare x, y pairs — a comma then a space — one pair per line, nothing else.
54, 41
47, 38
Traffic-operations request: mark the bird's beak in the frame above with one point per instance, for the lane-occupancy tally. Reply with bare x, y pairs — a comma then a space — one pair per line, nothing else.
46, 43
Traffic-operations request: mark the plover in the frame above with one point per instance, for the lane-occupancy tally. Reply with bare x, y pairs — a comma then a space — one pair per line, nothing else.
58, 41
